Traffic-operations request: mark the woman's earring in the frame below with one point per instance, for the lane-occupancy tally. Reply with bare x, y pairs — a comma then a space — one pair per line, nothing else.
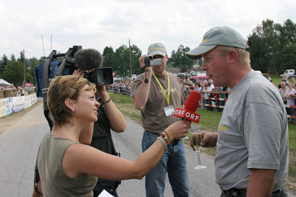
73, 110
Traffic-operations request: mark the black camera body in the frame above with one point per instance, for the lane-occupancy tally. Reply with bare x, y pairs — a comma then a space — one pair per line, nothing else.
149, 61
100, 76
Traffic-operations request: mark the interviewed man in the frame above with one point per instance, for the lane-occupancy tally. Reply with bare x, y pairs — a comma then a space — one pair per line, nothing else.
252, 139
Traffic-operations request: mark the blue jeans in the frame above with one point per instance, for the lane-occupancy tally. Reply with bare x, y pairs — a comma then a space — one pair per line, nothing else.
173, 162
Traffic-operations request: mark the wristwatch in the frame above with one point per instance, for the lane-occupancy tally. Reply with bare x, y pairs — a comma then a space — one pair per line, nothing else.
146, 80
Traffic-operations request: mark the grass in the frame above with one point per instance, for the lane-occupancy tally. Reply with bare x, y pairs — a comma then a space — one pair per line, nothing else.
209, 122
276, 80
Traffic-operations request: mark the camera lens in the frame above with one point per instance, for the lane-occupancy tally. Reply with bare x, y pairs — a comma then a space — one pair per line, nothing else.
101, 76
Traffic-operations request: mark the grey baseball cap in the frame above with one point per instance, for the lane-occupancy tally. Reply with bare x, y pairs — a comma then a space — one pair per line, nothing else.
217, 36
157, 49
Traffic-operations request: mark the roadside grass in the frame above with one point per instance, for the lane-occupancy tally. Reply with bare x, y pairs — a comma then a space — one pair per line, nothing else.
276, 80
209, 121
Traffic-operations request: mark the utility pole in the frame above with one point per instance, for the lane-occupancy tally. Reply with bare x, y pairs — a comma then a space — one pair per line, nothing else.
24, 66
129, 43
43, 46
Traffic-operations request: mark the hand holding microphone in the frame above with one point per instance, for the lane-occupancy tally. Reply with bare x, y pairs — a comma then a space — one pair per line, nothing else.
188, 113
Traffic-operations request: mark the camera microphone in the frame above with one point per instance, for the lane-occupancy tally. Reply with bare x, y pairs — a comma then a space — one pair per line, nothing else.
91, 59
88, 59
188, 113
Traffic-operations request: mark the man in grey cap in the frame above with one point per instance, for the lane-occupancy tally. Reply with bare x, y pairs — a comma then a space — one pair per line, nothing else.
157, 93
252, 139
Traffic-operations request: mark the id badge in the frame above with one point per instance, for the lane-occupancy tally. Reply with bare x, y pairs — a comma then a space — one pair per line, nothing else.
169, 110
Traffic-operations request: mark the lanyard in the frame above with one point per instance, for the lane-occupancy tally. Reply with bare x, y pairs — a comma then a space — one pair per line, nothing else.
167, 97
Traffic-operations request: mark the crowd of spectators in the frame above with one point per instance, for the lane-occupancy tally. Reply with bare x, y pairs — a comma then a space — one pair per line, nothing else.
121, 87
19, 90
213, 95
288, 93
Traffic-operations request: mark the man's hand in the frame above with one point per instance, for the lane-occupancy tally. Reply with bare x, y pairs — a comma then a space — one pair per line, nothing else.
209, 139
142, 63
78, 73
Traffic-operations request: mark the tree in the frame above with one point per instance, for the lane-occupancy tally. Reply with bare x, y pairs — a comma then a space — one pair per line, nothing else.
179, 59
286, 54
30, 78
12, 58
272, 46
136, 53
32, 62
121, 63
4, 62
22, 57
14, 73
121, 60
108, 55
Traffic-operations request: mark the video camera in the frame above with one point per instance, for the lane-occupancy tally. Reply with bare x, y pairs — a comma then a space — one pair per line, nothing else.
100, 76
149, 61
57, 64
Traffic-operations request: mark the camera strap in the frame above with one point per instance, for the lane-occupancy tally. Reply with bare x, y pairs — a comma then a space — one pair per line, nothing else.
166, 96
45, 82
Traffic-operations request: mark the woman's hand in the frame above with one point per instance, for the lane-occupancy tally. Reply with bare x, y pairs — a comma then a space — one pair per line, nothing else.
178, 129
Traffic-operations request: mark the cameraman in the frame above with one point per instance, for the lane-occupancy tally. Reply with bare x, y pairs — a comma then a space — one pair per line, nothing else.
157, 93
102, 138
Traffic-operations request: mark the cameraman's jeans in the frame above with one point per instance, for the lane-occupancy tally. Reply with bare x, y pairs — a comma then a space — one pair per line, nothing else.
173, 162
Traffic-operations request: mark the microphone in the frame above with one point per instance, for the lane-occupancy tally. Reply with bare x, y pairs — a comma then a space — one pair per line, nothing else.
188, 113
88, 59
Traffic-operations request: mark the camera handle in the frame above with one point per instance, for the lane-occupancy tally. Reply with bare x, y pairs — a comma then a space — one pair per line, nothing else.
143, 68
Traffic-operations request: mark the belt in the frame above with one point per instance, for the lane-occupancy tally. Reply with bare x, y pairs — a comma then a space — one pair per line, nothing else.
238, 192
234, 192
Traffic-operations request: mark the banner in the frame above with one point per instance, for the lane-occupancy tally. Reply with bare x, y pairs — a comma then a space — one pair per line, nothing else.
2, 108
18, 103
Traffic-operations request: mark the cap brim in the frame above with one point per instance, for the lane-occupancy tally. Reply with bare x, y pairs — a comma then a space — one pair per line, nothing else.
157, 53
196, 53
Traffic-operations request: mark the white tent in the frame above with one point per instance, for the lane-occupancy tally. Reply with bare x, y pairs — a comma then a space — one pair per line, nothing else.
4, 83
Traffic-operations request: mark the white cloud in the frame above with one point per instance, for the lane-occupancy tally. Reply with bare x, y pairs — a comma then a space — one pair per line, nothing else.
96, 24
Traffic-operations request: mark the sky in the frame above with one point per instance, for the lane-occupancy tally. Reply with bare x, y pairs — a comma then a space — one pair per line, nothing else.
40, 26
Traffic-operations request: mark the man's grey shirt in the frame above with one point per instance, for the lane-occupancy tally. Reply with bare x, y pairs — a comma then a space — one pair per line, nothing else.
252, 133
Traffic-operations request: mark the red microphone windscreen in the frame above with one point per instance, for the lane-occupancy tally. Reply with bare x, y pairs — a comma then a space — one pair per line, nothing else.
192, 101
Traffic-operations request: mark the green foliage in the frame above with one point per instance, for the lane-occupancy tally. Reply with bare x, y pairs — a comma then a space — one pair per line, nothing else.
272, 46
12, 58
14, 73
108, 55
120, 60
179, 60
16, 77
22, 57
4, 60
3, 63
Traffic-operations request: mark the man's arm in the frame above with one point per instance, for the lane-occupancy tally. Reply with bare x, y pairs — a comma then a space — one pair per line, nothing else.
261, 183
141, 97
116, 119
